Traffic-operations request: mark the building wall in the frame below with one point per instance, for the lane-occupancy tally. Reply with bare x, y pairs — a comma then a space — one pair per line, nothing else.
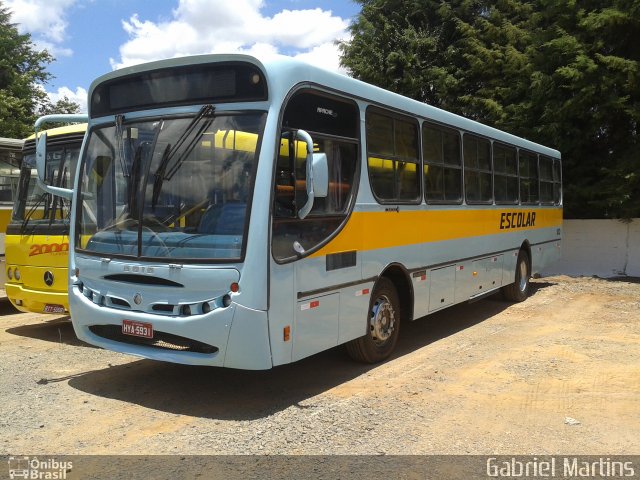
606, 248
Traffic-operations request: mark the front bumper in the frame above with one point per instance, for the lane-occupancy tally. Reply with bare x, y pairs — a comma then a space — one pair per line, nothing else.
240, 335
30, 300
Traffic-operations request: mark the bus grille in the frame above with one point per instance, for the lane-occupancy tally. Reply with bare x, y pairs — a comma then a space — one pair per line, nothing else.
162, 340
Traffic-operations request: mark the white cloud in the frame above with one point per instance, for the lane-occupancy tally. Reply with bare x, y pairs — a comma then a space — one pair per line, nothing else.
222, 26
326, 55
42, 18
79, 96
46, 22
55, 50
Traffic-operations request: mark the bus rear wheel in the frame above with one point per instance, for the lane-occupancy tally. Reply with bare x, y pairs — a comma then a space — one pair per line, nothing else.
518, 291
383, 325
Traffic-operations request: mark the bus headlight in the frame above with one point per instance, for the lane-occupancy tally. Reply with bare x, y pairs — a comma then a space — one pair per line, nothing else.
10, 273
16, 274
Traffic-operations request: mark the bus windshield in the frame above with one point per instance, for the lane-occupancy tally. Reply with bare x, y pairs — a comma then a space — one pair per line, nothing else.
169, 188
36, 208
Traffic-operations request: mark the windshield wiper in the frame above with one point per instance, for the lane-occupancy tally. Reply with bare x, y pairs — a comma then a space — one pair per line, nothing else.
206, 111
58, 201
159, 176
120, 144
134, 186
31, 211
186, 142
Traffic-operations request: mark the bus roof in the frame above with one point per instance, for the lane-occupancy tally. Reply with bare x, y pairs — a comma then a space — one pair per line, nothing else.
11, 143
284, 73
67, 129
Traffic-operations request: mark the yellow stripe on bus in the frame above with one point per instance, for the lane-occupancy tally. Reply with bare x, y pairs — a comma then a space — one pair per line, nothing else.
376, 230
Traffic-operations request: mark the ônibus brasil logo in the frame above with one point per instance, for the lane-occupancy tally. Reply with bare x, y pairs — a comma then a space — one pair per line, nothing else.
34, 468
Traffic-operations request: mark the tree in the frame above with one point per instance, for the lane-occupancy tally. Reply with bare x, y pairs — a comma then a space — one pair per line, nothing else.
565, 74
63, 105
22, 78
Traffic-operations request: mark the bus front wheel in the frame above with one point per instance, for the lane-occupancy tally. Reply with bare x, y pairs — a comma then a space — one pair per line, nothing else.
518, 291
383, 325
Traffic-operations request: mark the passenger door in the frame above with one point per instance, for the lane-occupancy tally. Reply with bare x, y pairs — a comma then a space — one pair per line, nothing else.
303, 294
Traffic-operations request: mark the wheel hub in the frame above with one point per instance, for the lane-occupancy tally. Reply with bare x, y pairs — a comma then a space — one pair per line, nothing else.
523, 277
383, 320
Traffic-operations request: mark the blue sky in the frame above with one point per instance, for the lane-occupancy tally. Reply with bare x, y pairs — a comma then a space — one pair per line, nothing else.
91, 37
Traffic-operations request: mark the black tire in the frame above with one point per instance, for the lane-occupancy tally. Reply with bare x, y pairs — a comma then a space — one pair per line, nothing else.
383, 325
518, 291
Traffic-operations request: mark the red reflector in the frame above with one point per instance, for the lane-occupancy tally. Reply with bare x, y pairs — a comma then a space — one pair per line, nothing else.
234, 287
423, 277
314, 304
365, 291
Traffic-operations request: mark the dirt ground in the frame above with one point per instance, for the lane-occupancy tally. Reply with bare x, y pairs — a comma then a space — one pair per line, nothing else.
556, 374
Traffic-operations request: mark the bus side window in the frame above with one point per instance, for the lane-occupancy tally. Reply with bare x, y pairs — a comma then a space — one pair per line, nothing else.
528, 177
505, 164
392, 157
477, 169
549, 181
442, 164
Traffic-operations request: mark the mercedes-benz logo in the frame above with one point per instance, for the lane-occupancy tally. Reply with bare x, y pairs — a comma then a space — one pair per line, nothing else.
48, 278
137, 299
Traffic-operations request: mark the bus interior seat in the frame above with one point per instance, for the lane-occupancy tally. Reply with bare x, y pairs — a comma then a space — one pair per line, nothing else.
227, 219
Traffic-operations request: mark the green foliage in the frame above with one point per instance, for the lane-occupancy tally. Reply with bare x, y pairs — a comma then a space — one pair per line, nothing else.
562, 73
62, 106
22, 78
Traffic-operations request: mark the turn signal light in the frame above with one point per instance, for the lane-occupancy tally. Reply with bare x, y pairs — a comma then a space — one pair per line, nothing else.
234, 287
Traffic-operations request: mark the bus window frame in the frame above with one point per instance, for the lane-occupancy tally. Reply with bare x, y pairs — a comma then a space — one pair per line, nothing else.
551, 182
442, 126
473, 169
189, 260
516, 176
357, 141
537, 202
415, 120
560, 201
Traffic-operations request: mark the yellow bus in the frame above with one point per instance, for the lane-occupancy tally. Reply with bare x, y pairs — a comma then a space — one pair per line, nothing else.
10, 157
37, 239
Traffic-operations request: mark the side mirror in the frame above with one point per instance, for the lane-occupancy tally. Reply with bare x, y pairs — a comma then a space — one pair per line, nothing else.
317, 174
41, 157
320, 175
41, 152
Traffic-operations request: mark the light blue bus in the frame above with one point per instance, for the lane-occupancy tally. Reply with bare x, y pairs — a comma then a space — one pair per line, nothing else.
246, 214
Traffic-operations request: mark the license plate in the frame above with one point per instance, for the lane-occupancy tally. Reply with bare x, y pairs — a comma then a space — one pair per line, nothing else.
137, 329
51, 308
